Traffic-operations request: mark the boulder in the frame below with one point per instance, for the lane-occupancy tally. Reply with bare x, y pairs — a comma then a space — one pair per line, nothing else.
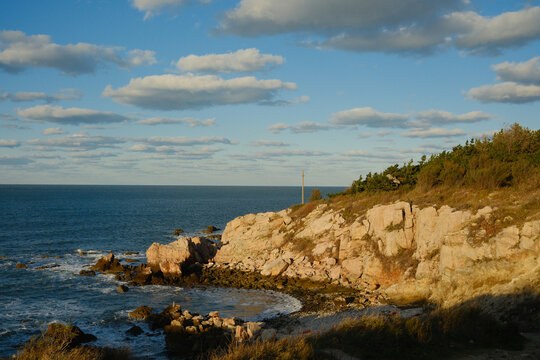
122, 289
108, 264
134, 331
274, 267
20, 266
141, 313
172, 258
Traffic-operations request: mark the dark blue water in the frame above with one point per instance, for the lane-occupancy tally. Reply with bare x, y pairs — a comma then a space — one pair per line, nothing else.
51, 225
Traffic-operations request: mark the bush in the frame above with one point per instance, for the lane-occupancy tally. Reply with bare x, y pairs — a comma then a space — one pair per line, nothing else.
510, 158
315, 195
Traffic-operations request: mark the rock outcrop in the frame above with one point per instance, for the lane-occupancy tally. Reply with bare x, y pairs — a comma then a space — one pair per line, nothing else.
411, 252
176, 257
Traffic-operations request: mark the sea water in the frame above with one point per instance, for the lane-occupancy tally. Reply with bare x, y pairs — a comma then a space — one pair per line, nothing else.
64, 229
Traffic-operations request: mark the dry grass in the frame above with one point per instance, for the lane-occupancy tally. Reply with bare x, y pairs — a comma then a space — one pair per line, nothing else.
286, 349
44, 348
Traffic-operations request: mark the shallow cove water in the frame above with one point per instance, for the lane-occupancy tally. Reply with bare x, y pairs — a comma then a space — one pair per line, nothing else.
51, 226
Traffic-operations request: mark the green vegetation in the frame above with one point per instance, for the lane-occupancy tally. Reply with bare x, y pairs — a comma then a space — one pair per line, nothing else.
511, 158
315, 195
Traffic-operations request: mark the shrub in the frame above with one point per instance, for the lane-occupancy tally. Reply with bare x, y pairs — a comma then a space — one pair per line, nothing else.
315, 195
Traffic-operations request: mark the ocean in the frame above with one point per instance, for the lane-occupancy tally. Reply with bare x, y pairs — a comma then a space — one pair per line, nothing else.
58, 230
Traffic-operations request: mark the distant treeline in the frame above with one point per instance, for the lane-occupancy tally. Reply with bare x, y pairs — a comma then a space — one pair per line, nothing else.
510, 158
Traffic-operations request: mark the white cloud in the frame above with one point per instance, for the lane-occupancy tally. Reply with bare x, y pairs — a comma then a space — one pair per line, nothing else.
19, 52
76, 142
192, 122
373, 155
69, 116
179, 92
185, 141
434, 132
507, 92
394, 26
527, 72
440, 117
11, 143
53, 131
257, 17
298, 100
491, 34
287, 153
303, 127
154, 7
66, 94
369, 117
268, 143
93, 155
246, 60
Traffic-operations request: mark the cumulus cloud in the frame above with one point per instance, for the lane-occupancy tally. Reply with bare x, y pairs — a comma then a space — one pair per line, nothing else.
66, 94
191, 122
527, 72
179, 92
244, 60
54, 131
490, 35
11, 143
154, 7
303, 127
264, 17
413, 27
69, 116
507, 92
19, 52
268, 143
433, 132
369, 117
440, 117
76, 142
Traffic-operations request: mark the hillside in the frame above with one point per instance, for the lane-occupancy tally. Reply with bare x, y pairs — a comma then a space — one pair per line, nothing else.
461, 225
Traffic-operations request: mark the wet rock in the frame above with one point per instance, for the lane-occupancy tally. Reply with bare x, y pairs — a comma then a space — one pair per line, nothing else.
209, 229
108, 264
20, 266
87, 273
157, 321
141, 313
122, 289
69, 335
177, 232
134, 331
47, 267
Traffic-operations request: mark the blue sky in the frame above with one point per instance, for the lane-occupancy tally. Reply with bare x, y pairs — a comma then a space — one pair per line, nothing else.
251, 92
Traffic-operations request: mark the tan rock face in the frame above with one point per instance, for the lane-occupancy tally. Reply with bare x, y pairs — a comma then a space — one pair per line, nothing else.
185, 251
399, 246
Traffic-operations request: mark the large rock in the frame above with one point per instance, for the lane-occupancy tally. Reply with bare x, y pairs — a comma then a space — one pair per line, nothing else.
275, 267
172, 258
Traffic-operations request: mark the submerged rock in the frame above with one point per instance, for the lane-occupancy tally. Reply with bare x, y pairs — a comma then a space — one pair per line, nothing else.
20, 266
134, 331
177, 232
87, 273
122, 289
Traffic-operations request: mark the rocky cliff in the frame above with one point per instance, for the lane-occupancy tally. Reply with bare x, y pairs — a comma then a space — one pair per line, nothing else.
435, 253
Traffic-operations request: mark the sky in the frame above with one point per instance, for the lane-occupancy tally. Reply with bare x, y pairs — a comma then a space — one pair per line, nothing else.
252, 92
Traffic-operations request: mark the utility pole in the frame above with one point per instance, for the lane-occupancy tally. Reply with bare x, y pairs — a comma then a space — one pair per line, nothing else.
302, 186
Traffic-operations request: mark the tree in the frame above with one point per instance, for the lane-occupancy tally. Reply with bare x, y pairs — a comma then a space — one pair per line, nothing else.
315, 195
